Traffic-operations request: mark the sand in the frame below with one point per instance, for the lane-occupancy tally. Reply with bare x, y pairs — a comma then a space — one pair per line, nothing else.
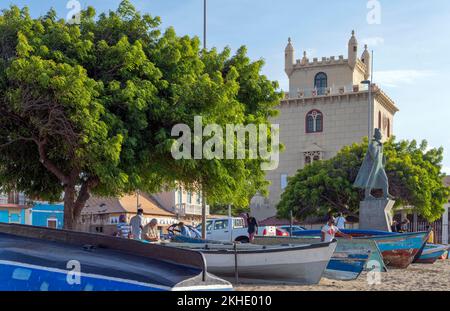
418, 277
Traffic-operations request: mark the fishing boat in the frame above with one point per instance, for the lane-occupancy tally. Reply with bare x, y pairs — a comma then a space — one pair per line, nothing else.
296, 264
344, 266
353, 232
398, 249
43, 259
350, 258
431, 253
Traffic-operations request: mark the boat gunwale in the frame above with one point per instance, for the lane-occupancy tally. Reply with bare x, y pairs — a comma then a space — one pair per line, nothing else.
268, 250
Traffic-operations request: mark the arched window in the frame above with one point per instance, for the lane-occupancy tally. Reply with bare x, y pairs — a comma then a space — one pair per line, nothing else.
321, 83
389, 128
379, 120
314, 121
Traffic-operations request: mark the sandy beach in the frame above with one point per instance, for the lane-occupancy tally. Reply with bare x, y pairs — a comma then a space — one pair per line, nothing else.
418, 277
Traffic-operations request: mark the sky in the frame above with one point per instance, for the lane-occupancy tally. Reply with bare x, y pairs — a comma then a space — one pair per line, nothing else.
410, 39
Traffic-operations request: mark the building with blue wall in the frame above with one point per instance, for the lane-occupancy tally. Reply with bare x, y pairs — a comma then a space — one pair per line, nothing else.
44, 214
14, 208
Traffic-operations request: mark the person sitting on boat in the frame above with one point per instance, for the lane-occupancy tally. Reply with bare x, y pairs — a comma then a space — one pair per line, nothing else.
341, 221
184, 231
137, 224
330, 231
151, 232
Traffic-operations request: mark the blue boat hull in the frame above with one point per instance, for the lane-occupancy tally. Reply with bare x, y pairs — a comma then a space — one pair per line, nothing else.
41, 259
432, 253
346, 269
398, 249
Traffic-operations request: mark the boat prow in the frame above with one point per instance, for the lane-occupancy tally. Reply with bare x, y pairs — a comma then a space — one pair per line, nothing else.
42, 259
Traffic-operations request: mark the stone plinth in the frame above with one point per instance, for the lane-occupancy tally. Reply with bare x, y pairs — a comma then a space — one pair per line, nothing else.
376, 214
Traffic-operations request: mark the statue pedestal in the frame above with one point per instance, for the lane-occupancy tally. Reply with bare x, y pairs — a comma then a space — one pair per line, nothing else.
376, 214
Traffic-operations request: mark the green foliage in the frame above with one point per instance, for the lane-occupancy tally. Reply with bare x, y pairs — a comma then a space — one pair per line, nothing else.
93, 105
414, 172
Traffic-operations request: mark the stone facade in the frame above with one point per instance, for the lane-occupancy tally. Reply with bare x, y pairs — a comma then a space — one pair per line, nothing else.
327, 108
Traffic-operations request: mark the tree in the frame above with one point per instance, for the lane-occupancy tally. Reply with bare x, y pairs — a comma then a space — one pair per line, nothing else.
89, 108
324, 187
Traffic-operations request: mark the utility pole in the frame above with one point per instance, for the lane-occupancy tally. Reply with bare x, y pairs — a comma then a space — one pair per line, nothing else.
204, 22
370, 84
202, 192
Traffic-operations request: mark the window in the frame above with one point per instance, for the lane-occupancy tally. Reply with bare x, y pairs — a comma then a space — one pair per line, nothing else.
314, 122
312, 156
284, 181
189, 197
199, 198
238, 223
379, 120
180, 196
389, 128
221, 224
321, 83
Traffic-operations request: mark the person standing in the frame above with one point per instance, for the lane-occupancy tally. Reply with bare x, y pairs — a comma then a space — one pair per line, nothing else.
341, 221
137, 224
253, 226
330, 231
123, 228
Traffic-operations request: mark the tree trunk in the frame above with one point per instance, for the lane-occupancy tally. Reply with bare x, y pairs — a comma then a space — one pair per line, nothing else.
74, 204
69, 203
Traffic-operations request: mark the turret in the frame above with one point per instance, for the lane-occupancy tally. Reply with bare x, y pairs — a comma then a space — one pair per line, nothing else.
289, 58
366, 59
352, 50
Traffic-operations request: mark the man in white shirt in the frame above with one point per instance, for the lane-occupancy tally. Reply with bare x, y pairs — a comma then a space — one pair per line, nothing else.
341, 221
329, 231
137, 224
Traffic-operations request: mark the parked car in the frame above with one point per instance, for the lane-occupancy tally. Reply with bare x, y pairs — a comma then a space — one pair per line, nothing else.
221, 229
276, 231
294, 228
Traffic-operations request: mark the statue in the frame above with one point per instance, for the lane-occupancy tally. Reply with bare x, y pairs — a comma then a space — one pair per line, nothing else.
372, 174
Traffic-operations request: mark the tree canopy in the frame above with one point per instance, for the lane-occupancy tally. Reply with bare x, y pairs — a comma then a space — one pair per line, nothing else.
324, 187
88, 108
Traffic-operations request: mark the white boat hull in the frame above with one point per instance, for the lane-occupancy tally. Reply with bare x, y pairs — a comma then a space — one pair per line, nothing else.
299, 265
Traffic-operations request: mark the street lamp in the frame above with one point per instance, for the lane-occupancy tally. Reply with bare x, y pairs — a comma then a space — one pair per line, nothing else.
204, 22
369, 84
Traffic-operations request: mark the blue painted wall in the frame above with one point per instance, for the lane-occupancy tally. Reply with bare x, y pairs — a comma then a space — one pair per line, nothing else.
12, 215
4, 216
44, 211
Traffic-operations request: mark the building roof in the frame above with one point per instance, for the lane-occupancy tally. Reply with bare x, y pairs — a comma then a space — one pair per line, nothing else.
125, 204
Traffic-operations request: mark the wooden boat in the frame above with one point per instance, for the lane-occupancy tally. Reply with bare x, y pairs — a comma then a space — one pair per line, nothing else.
346, 266
399, 250
432, 253
297, 264
36, 259
350, 258
353, 232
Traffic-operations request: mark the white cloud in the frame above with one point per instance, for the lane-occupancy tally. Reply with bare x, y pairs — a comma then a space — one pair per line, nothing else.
396, 78
373, 41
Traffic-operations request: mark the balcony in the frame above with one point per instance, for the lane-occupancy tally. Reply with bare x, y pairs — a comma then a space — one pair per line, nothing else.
189, 209
330, 91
